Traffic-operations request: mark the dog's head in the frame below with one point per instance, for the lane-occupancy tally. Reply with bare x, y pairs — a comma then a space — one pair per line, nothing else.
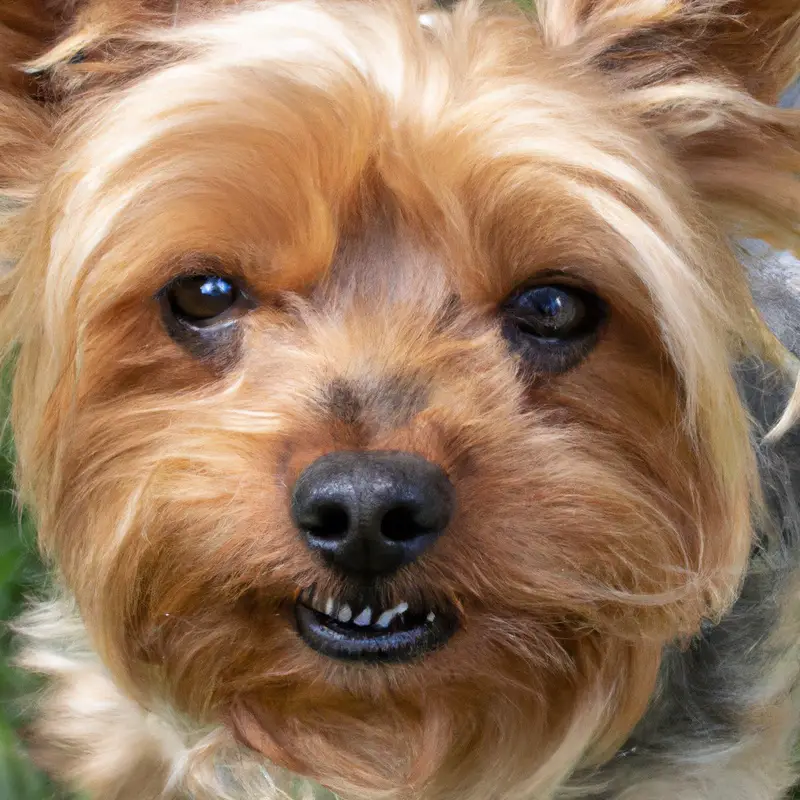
373, 388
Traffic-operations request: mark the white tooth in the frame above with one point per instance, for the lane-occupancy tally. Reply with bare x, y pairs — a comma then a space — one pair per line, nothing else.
345, 614
431, 617
385, 619
329, 605
364, 618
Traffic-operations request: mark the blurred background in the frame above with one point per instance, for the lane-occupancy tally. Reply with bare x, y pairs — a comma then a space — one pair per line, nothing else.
21, 573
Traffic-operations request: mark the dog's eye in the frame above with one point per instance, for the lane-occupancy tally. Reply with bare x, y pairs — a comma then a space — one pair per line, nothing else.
549, 312
201, 300
200, 311
552, 326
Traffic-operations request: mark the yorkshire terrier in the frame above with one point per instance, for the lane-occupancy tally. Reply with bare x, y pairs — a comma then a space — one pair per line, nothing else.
391, 399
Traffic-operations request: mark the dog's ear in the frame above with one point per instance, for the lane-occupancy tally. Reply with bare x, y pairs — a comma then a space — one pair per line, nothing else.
754, 44
26, 29
99, 41
704, 76
93, 46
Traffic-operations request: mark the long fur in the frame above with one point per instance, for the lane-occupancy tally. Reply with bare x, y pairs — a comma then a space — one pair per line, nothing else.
624, 554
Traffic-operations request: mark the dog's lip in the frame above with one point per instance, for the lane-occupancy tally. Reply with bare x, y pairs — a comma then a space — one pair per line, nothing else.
396, 636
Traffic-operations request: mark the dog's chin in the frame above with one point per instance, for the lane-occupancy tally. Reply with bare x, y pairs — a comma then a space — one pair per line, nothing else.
363, 629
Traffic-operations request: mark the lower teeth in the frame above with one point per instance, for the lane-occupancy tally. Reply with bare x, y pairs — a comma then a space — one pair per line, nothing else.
365, 619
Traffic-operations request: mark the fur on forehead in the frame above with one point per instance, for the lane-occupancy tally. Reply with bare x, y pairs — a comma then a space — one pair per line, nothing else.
643, 65
356, 92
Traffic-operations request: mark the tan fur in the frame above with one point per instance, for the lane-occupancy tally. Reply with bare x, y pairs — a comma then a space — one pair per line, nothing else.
357, 169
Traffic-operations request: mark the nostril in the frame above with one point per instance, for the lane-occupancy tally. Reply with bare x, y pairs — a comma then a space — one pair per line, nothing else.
371, 513
330, 521
400, 524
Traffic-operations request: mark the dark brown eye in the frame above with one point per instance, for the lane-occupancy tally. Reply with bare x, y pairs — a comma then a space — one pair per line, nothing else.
202, 299
552, 326
202, 310
551, 312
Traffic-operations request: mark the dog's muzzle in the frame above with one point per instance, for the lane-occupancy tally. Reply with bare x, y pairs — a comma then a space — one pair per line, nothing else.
367, 515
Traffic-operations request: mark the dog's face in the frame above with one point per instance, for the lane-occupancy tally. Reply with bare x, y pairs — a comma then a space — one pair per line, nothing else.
374, 392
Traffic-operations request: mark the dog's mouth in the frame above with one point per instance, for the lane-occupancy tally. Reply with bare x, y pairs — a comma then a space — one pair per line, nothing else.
364, 631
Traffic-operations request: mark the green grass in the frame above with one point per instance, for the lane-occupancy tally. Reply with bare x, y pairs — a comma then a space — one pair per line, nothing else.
20, 574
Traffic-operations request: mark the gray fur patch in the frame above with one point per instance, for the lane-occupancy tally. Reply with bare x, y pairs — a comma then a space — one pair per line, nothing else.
707, 692
775, 283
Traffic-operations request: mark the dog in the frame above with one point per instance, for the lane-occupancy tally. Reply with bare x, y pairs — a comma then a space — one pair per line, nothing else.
391, 400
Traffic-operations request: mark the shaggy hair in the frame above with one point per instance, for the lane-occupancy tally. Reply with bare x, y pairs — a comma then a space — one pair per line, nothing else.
382, 177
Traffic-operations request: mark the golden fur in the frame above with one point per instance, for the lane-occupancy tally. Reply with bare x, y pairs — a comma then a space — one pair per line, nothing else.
359, 167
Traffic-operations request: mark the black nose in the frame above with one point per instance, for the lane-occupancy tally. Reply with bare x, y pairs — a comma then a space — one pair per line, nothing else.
370, 513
